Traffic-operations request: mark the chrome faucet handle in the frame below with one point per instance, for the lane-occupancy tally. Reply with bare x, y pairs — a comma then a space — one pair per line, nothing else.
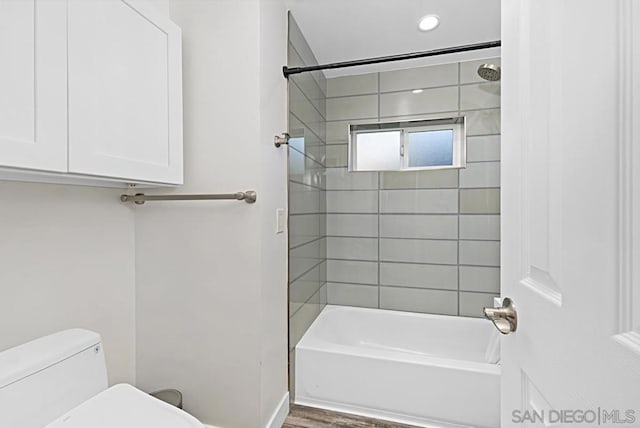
504, 318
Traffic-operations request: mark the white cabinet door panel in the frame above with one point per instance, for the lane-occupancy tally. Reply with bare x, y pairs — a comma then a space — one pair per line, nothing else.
125, 92
33, 79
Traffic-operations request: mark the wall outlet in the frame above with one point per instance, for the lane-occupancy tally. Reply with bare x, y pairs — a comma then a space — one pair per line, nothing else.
280, 220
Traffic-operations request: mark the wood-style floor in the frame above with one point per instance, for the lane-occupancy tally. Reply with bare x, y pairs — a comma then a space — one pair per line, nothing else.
310, 417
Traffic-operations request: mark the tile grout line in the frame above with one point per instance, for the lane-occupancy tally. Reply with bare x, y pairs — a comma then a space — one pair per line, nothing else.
414, 116
314, 60
378, 213
306, 97
399, 238
412, 287
404, 262
400, 91
458, 261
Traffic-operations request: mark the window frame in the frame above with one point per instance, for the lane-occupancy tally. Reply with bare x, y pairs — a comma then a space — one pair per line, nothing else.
455, 123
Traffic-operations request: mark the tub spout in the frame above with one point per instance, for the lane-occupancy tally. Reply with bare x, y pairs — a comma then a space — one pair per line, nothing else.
505, 318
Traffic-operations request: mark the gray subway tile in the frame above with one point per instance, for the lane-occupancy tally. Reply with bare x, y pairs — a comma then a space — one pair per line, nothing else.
482, 95
356, 107
337, 155
305, 228
303, 288
352, 248
304, 199
483, 122
419, 78
419, 300
293, 59
483, 148
429, 101
310, 88
300, 321
482, 253
418, 251
482, 174
419, 275
305, 170
432, 201
484, 279
305, 111
480, 201
347, 201
362, 296
342, 179
306, 256
352, 271
428, 179
480, 227
352, 85
419, 226
362, 225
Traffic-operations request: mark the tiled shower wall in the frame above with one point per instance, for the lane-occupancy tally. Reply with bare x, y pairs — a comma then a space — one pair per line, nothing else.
425, 241
307, 197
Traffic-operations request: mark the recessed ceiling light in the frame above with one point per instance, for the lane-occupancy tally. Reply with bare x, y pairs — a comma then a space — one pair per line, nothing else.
428, 22
417, 91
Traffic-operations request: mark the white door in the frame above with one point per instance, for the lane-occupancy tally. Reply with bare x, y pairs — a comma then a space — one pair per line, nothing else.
33, 84
125, 91
571, 212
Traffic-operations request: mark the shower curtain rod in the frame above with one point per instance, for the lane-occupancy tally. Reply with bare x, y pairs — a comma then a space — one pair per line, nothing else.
401, 57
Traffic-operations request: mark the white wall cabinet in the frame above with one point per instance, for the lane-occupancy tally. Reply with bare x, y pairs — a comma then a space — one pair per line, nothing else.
94, 92
33, 80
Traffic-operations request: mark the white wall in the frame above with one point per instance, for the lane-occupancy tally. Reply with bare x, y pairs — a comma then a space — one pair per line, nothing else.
197, 288
67, 260
211, 276
273, 189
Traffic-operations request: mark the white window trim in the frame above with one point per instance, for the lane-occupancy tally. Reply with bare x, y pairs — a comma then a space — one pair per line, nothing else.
457, 125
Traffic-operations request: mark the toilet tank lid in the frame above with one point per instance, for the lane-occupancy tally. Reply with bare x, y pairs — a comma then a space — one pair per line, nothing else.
24, 360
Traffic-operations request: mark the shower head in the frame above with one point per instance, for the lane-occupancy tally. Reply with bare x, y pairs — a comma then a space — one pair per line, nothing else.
490, 72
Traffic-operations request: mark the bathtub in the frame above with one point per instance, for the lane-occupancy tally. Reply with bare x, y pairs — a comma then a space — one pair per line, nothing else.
418, 369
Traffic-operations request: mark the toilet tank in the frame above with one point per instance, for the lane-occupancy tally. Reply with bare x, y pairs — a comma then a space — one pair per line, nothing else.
44, 378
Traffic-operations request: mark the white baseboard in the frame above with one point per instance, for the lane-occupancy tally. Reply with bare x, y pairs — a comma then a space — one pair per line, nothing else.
280, 414
278, 417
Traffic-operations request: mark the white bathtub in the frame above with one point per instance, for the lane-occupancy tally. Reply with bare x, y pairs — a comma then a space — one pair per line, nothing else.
425, 370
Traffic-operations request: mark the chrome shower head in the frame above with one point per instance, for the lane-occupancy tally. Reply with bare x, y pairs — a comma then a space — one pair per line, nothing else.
490, 72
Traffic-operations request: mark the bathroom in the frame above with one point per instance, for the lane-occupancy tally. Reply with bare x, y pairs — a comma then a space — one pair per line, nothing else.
211, 298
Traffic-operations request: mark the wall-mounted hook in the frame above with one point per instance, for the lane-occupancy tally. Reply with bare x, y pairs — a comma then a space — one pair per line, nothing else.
281, 139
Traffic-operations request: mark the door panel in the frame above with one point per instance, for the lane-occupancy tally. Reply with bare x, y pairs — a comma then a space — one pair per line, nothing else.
570, 254
33, 79
124, 91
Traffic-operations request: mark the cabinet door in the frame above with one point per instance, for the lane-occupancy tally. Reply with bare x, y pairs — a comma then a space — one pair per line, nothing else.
33, 84
125, 91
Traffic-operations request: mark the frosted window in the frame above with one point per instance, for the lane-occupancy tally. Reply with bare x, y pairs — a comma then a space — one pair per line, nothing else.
430, 143
379, 151
430, 148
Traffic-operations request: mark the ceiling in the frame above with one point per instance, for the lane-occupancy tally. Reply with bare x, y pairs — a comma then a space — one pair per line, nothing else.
342, 30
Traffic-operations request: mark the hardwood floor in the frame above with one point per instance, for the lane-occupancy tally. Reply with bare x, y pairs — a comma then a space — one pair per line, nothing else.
310, 417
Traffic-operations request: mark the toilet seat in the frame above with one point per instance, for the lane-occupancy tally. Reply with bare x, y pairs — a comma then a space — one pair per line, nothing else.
124, 406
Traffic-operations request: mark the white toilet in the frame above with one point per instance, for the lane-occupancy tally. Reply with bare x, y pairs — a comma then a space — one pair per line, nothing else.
60, 381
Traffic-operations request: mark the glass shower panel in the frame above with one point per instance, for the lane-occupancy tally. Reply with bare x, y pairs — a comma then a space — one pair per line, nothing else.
307, 193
